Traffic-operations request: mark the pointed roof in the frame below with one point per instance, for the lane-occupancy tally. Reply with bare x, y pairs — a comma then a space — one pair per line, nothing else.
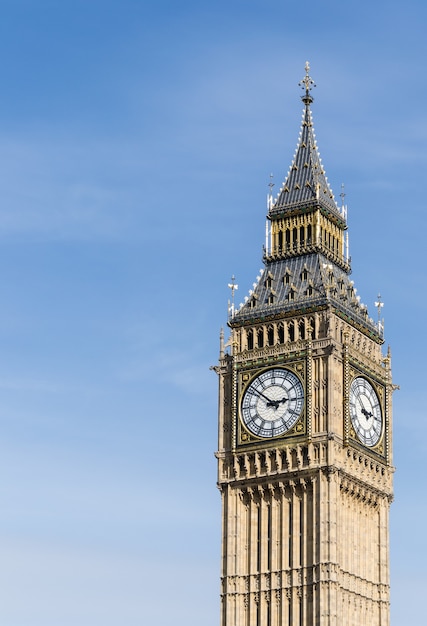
309, 276
300, 284
306, 183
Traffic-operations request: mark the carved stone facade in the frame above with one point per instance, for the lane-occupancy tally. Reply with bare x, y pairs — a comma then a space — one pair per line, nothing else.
305, 526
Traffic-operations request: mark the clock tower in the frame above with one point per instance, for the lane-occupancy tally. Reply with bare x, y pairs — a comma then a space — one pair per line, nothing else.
305, 424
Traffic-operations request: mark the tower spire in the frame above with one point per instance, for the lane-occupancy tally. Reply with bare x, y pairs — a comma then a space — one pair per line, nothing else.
306, 230
306, 184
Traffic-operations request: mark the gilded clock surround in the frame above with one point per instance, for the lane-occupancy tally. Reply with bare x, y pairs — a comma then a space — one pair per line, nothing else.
377, 444
245, 378
305, 515
380, 379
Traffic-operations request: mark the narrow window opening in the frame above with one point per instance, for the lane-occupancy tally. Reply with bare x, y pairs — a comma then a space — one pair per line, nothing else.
250, 339
301, 532
295, 237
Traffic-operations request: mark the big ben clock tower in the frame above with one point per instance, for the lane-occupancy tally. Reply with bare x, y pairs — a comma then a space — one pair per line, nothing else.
305, 449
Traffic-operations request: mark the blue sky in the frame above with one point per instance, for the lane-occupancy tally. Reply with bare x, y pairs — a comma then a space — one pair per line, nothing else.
136, 143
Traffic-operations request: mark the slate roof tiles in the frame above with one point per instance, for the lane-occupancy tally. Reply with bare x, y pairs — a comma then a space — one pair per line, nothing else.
306, 182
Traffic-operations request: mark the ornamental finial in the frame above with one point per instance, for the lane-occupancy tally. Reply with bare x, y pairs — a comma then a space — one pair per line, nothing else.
233, 287
307, 83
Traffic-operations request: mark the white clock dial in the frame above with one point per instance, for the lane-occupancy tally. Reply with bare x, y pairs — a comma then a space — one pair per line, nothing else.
365, 412
272, 403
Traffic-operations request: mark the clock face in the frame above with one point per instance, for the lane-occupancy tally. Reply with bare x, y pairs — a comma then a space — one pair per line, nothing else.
272, 403
365, 412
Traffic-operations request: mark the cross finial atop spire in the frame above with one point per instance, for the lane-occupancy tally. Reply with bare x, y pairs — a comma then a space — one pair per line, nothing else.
307, 83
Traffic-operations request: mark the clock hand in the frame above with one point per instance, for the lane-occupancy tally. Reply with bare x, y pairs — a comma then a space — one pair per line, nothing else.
276, 403
366, 413
261, 395
269, 402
